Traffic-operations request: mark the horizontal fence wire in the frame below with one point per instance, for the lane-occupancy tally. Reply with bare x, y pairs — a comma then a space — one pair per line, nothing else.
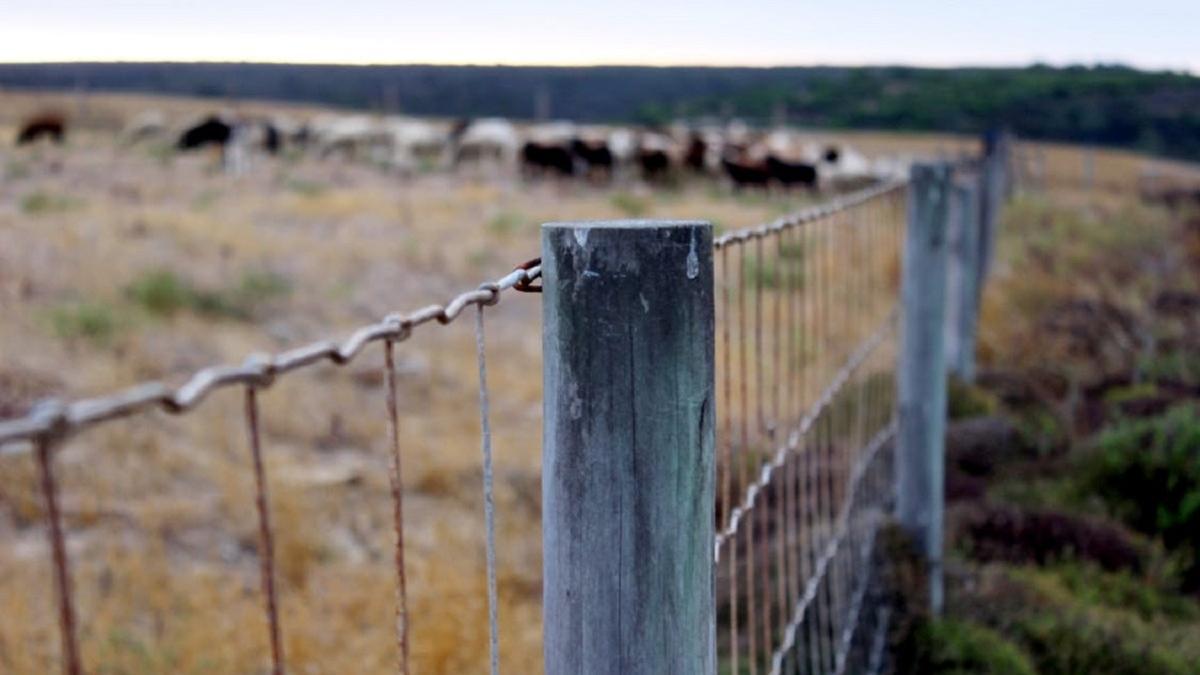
48, 425
258, 370
806, 344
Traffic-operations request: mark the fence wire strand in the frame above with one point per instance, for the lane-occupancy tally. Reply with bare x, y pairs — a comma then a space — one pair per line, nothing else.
266, 537
489, 505
395, 478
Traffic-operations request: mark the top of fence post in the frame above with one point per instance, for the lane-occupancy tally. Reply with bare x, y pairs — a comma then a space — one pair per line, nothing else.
627, 458
922, 368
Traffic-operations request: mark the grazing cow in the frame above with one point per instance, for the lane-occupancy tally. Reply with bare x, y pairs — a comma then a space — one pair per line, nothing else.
540, 159
346, 135
48, 125
744, 174
210, 132
485, 140
655, 164
272, 140
832, 154
696, 156
595, 156
792, 174
415, 142
145, 125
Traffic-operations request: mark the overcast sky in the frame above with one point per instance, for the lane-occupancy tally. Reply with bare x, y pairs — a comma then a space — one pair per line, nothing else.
1149, 33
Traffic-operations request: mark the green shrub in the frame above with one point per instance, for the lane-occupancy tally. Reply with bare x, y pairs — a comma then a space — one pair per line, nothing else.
953, 647
94, 321
630, 205
162, 292
1081, 621
505, 223
1125, 592
965, 400
39, 202
1179, 366
1147, 473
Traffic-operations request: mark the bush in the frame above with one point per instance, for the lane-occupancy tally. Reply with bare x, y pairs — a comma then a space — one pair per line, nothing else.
163, 293
505, 223
630, 205
1062, 632
1147, 473
965, 400
92, 321
39, 202
951, 647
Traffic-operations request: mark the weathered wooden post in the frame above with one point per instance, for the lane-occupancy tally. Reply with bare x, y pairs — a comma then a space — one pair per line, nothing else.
995, 190
922, 377
963, 294
627, 455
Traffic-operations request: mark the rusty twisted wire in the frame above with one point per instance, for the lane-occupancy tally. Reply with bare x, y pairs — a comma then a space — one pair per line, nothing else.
257, 371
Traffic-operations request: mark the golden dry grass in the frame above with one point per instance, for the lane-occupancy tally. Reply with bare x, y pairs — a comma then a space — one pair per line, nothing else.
159, 509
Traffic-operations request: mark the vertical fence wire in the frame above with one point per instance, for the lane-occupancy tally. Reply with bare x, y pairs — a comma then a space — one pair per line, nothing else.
265, 535
807, 315
489, 505
58, 549
395, 477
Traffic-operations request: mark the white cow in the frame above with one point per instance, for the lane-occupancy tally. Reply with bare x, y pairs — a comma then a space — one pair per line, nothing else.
488, 140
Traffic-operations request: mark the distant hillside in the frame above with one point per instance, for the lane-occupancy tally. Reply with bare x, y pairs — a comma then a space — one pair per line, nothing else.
1158, 112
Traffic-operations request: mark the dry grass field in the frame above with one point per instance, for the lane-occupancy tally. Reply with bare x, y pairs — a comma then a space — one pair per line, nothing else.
120, 264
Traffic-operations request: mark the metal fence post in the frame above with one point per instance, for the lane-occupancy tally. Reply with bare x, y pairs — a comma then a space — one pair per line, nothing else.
922, 368
627, 454
962, 288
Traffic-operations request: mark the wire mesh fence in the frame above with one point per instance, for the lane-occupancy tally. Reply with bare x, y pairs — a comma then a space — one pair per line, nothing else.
807, 314
806, 348
51, 424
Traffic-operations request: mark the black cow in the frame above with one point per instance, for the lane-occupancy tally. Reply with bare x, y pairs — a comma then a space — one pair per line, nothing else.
272, 140
832, 154
697, 151
539, 158
211, 131
655, 164
744, 174
789, 174
595, 156
47, 125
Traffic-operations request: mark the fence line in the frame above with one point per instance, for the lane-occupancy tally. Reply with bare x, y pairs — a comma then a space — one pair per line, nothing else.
808, 432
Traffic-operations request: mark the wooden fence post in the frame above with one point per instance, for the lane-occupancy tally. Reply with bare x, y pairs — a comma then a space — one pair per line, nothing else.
995, 189
963, 294
627, 449
922, 369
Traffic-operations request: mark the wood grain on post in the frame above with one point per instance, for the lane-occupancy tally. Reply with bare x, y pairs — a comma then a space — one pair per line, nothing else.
627, 458
922, 369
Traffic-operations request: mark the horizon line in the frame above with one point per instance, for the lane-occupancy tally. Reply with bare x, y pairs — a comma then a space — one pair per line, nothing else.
1060, 65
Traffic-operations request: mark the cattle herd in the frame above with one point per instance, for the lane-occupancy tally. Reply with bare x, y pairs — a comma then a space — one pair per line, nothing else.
746, 158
